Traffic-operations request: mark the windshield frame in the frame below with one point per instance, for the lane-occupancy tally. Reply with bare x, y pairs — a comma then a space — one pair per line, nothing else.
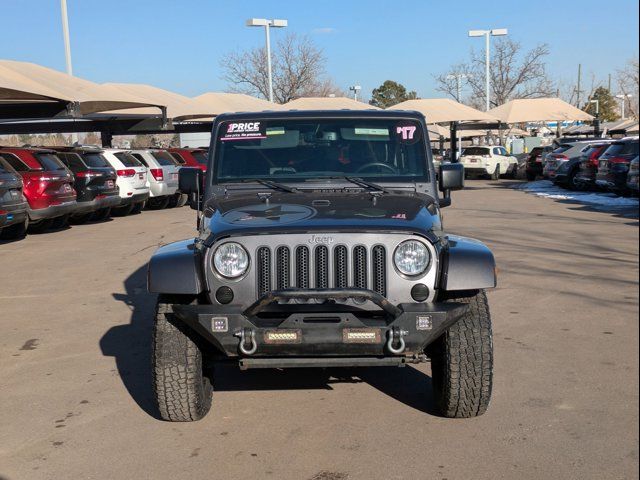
330, 177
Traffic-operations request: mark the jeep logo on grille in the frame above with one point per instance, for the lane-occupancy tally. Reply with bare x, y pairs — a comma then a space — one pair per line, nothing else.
321, 239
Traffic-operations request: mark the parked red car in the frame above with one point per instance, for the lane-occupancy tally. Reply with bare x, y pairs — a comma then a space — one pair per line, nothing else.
48, 186
191, 157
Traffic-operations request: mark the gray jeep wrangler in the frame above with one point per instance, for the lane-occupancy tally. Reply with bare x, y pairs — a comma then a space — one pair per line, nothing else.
321, 245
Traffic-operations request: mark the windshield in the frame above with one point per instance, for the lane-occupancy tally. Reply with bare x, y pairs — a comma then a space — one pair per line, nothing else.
475, 151
622, 148
201, 157
128, 160
49, 162
297, 150
95, 160
164, 159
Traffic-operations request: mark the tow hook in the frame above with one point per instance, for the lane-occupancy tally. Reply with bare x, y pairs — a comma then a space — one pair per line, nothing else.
395, 334
248, 344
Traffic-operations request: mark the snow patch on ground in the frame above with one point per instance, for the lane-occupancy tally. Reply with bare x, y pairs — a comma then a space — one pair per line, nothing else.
546, 189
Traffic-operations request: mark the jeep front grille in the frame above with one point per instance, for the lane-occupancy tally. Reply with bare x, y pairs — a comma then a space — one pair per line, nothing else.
322, 267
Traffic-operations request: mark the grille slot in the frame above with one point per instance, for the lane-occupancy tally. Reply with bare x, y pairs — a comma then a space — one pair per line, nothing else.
379, 265
322, 267
283, 268
264, 270
360, 267
302, 267
340, 266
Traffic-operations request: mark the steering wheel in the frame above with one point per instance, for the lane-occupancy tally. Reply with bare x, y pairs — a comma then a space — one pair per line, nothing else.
377, 164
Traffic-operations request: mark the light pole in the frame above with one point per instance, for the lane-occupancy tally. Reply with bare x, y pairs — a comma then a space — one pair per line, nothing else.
65, 34
596, 121
458, 77
355, 89
623, 98
494, 32
267, 24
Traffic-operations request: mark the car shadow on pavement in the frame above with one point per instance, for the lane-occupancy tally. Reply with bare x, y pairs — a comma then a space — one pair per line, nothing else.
130, 345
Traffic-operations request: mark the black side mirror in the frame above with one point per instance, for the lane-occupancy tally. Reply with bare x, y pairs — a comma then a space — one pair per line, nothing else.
189, 180
451, 177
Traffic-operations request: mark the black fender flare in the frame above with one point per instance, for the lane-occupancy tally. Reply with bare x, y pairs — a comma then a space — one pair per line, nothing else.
176, 268
467, 264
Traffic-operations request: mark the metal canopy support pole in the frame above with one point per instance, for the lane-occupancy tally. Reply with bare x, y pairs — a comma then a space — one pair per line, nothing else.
486, 80
453, 141
106, 136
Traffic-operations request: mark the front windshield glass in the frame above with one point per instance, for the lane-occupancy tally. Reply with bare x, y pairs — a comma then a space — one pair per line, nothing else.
299, 150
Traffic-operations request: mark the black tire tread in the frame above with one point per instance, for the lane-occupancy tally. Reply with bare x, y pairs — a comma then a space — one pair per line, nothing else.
462, 362
182, 391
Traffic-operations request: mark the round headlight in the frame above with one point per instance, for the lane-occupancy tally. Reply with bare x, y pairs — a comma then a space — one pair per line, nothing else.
411, 257
231, 260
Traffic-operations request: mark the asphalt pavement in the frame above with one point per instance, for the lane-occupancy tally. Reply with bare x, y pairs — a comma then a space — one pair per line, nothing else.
75, 400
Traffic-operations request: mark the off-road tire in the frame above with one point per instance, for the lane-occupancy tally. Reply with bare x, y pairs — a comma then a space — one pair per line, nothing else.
462, 362
182, 390
15, 232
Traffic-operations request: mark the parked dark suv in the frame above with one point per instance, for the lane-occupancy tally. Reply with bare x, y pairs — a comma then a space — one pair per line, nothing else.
586, 175
614, 163
321, 245
95, 182
535, 162
14, 219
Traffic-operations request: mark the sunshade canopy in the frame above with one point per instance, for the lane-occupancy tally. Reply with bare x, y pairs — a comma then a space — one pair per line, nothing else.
538, 110
28, 82
178, 106
440, 110
221, 102
327, 103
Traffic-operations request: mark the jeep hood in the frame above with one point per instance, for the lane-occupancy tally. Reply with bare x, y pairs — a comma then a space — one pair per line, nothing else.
247, 213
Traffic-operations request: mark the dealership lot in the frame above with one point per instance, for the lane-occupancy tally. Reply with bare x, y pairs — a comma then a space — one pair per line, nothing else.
75, 340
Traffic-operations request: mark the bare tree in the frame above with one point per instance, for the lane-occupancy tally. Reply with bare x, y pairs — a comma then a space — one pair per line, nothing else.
629, 84
297, 69
514, 74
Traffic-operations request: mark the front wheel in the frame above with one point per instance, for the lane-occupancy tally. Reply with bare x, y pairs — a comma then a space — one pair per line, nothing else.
462, 362
182, 390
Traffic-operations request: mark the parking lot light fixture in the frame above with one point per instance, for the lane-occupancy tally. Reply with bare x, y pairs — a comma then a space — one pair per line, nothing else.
623, 98
355, 89
267, 24
494, 32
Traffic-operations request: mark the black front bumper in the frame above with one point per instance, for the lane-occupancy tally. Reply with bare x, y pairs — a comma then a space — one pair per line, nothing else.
324, 335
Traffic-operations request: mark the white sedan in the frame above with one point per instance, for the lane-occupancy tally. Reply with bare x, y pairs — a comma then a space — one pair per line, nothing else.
489, 161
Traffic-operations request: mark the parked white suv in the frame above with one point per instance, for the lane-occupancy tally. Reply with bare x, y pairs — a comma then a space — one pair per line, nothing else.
163, 177
489, 161
132, 180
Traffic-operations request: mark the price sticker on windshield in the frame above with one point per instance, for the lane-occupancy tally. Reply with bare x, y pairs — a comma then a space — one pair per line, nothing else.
408, 133
243, 131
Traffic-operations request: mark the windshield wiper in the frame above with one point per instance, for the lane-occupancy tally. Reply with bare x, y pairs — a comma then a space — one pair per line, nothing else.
272, 185
363, 183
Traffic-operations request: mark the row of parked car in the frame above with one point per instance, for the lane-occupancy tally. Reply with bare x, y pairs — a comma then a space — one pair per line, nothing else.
49, 187
588, 164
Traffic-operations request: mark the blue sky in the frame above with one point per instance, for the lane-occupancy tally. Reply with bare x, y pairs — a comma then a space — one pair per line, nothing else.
177, 45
